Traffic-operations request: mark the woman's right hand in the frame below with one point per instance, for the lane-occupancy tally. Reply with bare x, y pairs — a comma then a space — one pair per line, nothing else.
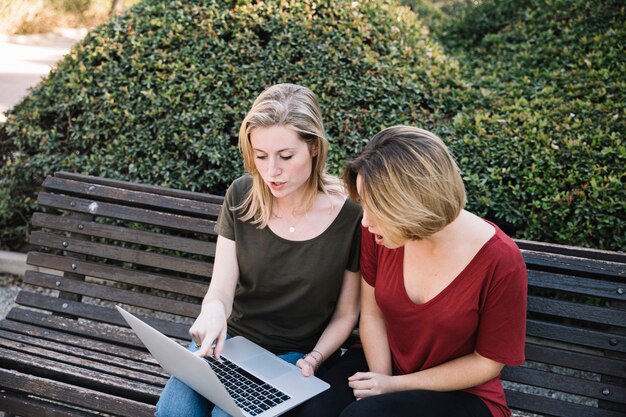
209, 329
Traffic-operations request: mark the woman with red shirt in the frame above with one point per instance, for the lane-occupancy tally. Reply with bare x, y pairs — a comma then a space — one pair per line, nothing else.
443, 295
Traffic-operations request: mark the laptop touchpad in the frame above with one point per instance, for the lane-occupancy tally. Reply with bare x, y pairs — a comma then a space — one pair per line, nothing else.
267, 366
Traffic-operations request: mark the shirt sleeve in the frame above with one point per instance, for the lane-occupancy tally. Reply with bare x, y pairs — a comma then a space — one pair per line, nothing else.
369, 255
225, 225
502, 327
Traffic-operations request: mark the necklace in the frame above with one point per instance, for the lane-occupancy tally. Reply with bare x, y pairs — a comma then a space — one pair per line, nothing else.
292, 227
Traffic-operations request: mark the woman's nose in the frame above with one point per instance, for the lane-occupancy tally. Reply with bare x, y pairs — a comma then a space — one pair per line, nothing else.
365, 220
274, 169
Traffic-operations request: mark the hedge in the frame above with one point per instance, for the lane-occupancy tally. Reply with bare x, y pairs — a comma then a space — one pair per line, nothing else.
157, 95
528, 94
541, 137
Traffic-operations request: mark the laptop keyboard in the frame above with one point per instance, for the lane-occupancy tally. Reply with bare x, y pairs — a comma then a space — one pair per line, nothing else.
251, 394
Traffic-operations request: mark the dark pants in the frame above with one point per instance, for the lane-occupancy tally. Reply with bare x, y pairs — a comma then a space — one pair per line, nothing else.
331, 402
419, 404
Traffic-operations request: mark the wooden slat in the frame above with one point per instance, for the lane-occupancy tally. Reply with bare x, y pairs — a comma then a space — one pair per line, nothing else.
210, 198
70, 394
568, 309
20, 405
174, 263
68, 263
112, 294
538, 260
576, 251
95, 362
139, 215
124, 234
135, 361
122, 342
553, 407
575, 360
583, 337
77, 375
564, 383
87, 311
577, 285
131, 197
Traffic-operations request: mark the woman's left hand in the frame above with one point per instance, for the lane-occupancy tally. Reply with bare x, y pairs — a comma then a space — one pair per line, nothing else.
307, 365
367, 384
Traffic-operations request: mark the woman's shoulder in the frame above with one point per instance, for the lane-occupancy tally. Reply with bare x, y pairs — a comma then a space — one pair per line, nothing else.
239, 189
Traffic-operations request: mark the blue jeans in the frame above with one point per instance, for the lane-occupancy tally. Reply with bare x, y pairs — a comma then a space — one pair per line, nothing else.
177, 399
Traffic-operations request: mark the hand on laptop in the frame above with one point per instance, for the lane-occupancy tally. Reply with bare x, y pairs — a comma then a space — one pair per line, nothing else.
310, 362
209, 330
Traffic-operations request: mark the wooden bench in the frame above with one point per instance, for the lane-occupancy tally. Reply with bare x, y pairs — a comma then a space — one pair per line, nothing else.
65, 351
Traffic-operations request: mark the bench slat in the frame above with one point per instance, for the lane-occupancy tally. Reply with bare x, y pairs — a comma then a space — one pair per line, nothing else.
130, 197
583, 337
577, 285
118, 274
52, 329
539, 260
574, 360
124, 234
568, 309
95, 362
576, 251
29, 406
135, 360
139, 215
76, 375
155, 189
564, 383
117, 295
121, 254
91, 312
78, 396
549, 406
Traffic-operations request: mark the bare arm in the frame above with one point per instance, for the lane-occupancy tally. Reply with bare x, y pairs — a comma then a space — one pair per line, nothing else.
341, 324
457, 374
210, 325
373, 332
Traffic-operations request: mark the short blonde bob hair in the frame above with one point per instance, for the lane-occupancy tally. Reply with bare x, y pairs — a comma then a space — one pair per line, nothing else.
293, 107
410, 183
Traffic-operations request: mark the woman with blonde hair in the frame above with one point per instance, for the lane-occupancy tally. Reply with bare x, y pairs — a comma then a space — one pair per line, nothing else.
443, 294
286, 272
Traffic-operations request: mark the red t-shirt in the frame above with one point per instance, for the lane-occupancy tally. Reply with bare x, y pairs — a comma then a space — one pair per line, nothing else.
483, 309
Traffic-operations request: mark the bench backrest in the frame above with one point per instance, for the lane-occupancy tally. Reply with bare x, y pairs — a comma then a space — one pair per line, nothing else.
151, 249
147, 247
576, 333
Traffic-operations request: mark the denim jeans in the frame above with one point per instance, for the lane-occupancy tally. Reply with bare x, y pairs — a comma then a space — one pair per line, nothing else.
177, 399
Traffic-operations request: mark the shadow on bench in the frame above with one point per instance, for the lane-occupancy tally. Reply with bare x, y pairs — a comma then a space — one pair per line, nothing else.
66, 351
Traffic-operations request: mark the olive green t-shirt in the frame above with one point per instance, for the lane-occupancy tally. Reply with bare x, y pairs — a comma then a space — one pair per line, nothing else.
287, 290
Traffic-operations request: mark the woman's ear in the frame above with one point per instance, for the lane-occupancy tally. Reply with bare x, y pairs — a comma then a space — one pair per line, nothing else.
314, 150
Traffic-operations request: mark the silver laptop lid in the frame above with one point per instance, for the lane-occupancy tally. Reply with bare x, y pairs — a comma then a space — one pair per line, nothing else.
195, 372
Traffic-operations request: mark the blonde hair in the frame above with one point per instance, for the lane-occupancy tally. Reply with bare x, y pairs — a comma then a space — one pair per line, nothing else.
296, 108
410, 183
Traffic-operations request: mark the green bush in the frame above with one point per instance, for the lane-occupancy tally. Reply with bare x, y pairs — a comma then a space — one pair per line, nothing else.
529, 95
157, 95
541, 137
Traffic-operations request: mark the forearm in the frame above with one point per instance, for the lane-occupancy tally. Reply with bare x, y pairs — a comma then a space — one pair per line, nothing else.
335, 334
214, 299
374, 340
458, 374
341, 324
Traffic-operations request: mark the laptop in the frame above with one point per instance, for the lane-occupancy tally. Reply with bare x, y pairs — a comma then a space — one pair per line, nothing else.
248, 381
